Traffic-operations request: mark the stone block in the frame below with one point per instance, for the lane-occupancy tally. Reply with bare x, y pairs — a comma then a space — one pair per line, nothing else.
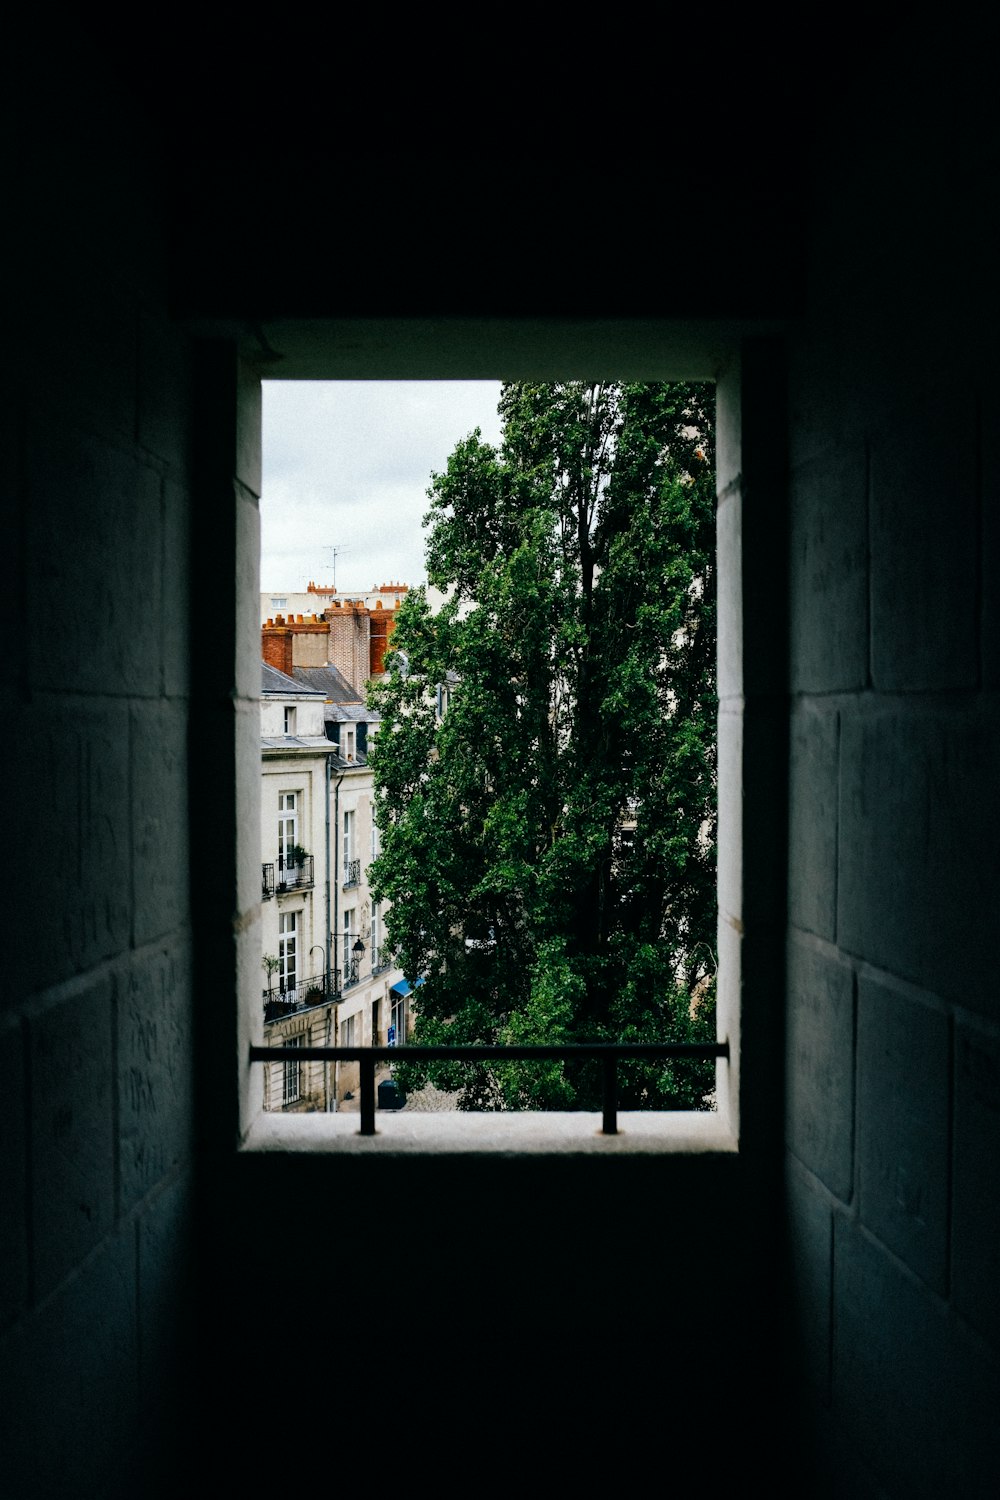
975, 1201
160, 841
94, 544
166, 1310
763, 794
924, 539
247, 796
13, 1175
249, 423
919, 1396
819, 1052
903, 1126
812, 821
12, 659
86, 322
810, 1234
69, 1407
71, 822
729, 555
155, 1072
175, 628
72, 1131
764, 461
246, 543
990, 503
730, 824
919, 816
728, 418
163, 420
828, 573
818, 412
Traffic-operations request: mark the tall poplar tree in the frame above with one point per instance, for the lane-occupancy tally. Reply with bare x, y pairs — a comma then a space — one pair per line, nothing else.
548, 842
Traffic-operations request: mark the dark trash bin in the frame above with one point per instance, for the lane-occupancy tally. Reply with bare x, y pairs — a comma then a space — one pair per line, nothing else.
390, 1095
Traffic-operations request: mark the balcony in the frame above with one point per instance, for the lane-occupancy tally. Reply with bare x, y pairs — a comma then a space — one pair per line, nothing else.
352, 972
279, 1003
381, 959
295, 875
352, 872
266, 882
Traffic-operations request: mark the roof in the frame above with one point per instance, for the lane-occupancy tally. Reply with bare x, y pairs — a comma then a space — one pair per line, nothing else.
275, 682
349, 713
329, 681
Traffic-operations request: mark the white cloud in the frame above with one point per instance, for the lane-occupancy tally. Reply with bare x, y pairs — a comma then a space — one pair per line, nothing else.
347, 465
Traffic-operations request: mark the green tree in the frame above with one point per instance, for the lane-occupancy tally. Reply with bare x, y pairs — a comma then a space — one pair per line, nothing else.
548, 844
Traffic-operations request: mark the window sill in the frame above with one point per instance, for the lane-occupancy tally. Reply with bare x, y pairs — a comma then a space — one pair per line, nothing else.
459, 1133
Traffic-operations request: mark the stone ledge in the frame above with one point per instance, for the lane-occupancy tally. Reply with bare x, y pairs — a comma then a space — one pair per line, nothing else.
398, 1132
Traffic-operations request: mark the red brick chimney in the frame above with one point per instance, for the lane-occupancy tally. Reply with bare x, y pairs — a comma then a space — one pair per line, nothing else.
276, 644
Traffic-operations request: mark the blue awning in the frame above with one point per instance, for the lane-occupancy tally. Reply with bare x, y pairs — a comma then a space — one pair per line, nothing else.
403, 987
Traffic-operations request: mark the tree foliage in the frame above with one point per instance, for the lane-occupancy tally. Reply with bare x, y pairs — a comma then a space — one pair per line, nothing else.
548, 843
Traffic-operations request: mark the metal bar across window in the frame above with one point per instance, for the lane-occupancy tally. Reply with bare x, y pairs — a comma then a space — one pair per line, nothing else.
608, 1052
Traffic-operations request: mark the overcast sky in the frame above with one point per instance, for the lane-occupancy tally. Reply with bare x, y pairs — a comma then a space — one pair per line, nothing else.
347, 465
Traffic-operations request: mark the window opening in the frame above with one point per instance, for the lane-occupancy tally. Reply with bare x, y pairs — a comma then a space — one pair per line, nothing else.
288, 937
352, 866
378, 957
291, 1083
486, 939
288, 835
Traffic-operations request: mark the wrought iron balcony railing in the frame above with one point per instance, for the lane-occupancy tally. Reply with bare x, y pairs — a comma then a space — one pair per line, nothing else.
352, 871
381, 959
266, 882
295, 875
610, 1053
352, 972
280, 1002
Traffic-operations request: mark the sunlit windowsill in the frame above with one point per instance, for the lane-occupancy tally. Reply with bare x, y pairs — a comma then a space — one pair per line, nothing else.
451, 1133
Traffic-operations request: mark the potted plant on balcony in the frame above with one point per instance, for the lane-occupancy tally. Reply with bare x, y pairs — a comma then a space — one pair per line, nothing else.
273, 1008
297, 857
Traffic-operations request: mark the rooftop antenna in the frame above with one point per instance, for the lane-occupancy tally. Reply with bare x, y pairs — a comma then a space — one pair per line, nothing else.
336, 552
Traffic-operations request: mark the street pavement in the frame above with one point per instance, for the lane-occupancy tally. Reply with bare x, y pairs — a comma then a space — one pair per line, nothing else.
422, 1101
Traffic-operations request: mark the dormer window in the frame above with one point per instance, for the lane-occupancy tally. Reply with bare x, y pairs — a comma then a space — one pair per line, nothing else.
347, 748
289, 721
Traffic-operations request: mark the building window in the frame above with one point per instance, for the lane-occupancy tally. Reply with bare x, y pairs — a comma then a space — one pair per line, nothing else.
280, 602
291, 1080
348, 1031
288, 829
289, 721
288, 937
352, 865
378, 962
347, 747
397, 1022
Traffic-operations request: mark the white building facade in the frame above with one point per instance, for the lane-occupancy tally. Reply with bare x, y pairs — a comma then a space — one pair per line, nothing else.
328, 978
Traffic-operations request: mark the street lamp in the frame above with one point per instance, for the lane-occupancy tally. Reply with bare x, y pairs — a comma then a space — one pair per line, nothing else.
350, 977
357, 949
